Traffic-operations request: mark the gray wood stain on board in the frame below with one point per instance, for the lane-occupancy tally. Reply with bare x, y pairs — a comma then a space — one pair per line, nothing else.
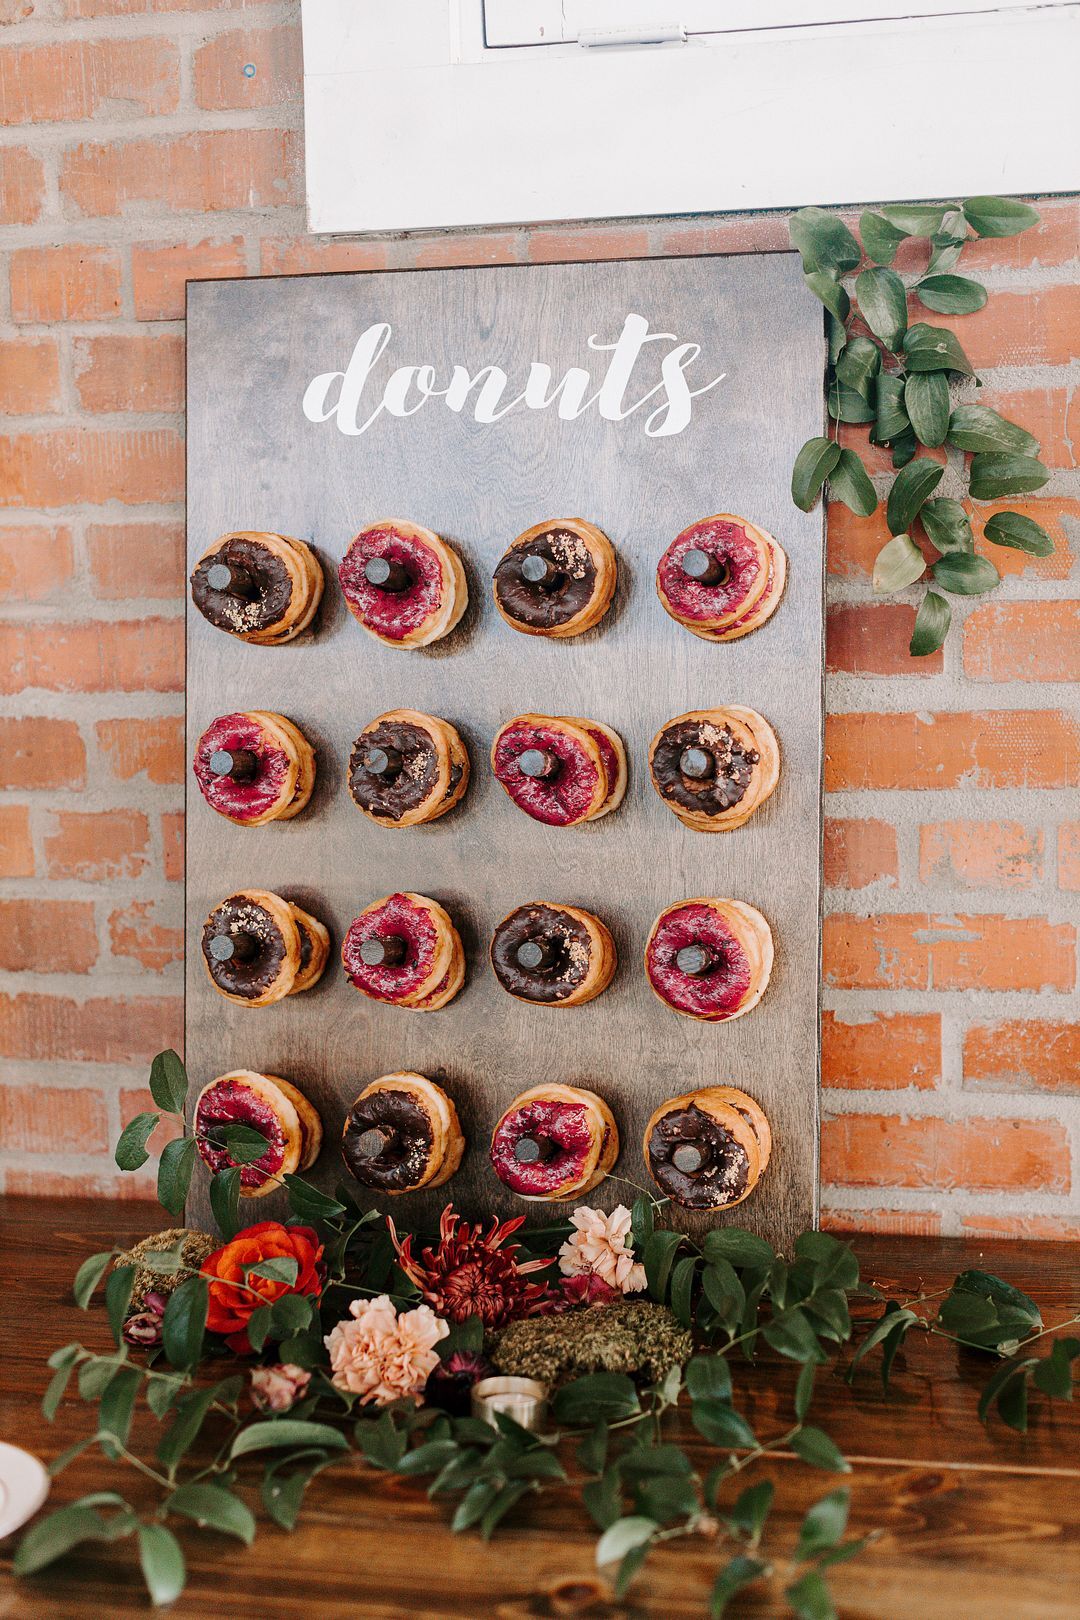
255, 462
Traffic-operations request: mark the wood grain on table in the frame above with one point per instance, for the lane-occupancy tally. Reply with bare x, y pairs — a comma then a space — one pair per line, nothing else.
979, 1523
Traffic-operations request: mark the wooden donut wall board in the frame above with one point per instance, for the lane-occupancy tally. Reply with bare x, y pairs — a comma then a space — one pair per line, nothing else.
257, 461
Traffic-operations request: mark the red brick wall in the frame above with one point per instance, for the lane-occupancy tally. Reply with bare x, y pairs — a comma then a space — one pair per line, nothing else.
147, 141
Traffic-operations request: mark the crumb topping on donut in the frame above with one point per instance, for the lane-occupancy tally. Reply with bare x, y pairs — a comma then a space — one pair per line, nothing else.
404, 1158
548, 925
723, 1176
390, 797
731, 771
241, 615
251, 978
742, 556
550, 605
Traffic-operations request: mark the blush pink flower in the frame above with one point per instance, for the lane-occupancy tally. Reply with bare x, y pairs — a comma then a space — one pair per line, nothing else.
600, 1248
278, 1388
383, 1356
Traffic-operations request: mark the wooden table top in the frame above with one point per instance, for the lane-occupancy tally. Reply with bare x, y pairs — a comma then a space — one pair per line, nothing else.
979, 1523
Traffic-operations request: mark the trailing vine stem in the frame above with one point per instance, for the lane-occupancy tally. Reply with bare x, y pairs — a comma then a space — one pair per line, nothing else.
904, 380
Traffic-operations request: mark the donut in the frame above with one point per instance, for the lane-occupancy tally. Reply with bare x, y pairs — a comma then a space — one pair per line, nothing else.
403, 583
707, 1149
554, 1141
407, 768
251, 948
268, 1105
722, 577
404, 949
402, 1133
709, 958
314, 949
553, 955
557, 579
264, 588
560, 770
714, 767
254, 767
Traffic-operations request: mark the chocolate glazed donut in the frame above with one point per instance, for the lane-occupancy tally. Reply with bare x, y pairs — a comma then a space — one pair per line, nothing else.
557, 579
262, 587
553, 956
407, 768
402, 1133
251, 948
714, 767
707, 1149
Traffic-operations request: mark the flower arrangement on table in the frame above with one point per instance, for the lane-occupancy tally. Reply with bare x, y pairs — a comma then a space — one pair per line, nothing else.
289, 1343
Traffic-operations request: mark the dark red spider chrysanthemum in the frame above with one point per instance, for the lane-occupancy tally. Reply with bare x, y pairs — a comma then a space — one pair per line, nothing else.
469, 1272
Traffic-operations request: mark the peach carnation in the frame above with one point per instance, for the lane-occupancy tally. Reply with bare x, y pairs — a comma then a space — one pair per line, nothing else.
383, 1356
599, 1248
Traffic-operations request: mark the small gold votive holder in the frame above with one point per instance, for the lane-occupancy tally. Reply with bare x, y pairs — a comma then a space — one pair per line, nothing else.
523, 1399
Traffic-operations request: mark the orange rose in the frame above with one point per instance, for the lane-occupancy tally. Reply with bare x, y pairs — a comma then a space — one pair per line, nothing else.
235, 1295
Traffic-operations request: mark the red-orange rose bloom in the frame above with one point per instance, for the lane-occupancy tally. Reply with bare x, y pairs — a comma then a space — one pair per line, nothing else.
234, 1295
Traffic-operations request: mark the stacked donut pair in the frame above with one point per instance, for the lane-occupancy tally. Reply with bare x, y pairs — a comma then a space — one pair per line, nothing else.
254, 767
708, 1149
403, 583
709, 958
273, 1107
553, 956
401, 1134
408, 768
404, 949
722, 577
555, 1141
259, 948
561, 770
715, 767
556, 580
264, 588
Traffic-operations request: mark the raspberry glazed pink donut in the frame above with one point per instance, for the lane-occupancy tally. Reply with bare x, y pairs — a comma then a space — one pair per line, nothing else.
709, 958
273, 1107
558, 769
404, 949
553, 1142
721, 577
403, 583
254, 767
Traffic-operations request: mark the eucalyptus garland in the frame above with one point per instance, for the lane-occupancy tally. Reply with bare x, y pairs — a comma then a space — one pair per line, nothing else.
614, 1441
902, 380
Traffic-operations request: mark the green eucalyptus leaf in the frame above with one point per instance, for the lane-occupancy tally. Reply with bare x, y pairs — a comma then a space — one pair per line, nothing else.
915, 219
162, 1563
174, 1173
131, 1151
225, 1201
620, 1537
804, 1389
642, 1221
658, 1257
283, 1268
58, 1383
118, 1404
880, 238
282, 1495
184, 1322
596, 1395
629, 1565
667, 1497
836, 334
850, 484
966, 575
721, 1425
904, 447
946, 247
52, 1537
859, 364
832, 295
882, 301
738, 1573
993, 475
118, 1298
823, 240
381, 1441
926, 400
724, 1292
934, 348
169, 1082
808, 1597
813, 464
1020, 532
215, 1508
89, 1275
978, 428
845, 405
823, 1524
751, 1508
951, 295
309, 1203
814, 1447
931, 625
682, 1287
898, 564
271, 1434
911, 487
947, 525
891, 419
191, 1410
999, 216
708, 1377
738, 1246
242, 1143
500, 1507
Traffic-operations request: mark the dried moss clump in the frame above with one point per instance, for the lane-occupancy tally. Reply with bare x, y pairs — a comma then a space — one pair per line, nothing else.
629, 1336
196, 1247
